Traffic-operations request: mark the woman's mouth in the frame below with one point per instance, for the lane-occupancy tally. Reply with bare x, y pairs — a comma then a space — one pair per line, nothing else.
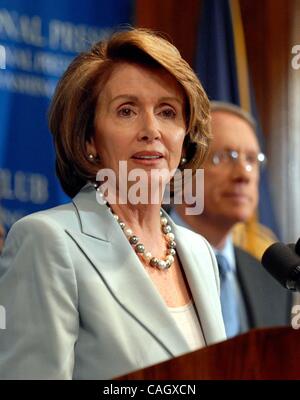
147, 157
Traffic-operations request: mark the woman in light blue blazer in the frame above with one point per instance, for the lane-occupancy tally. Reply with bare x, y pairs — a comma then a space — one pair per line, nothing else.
108, 284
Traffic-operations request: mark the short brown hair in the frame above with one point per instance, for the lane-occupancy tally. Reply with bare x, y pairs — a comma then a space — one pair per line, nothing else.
71, 115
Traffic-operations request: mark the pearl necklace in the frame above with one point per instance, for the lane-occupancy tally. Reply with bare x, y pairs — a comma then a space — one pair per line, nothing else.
139, 248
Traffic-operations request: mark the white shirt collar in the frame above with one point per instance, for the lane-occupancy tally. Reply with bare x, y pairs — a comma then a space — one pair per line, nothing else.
228, 252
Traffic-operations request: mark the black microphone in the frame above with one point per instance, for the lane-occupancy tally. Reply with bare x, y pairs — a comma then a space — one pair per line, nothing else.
283, 264
292, 247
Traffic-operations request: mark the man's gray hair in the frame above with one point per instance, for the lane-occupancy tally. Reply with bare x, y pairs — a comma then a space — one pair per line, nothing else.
233, 109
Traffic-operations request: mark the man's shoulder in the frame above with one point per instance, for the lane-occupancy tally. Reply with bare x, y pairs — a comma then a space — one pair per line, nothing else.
268, 302
244, 256
251, 271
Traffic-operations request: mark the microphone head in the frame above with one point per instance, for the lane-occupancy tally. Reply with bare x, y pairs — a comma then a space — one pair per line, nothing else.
283, 264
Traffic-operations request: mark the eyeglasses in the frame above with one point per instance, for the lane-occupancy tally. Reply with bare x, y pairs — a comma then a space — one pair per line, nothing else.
230, 157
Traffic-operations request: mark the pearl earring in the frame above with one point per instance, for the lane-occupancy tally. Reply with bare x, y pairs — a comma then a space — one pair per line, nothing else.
183, 161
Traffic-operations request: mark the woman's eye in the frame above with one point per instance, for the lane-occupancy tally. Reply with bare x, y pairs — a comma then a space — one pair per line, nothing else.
168, 113
125, 112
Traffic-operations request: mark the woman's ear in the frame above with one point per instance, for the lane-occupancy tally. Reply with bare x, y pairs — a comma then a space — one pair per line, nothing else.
91, 148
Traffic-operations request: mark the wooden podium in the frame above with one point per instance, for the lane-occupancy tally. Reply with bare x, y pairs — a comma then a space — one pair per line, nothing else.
272, 353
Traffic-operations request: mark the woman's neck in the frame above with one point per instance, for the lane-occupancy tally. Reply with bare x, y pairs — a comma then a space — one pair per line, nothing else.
139, 217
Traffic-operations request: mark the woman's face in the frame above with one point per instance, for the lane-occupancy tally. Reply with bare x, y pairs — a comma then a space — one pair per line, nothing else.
139, 119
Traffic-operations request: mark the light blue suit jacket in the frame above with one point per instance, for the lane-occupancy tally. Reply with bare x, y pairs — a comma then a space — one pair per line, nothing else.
80, 305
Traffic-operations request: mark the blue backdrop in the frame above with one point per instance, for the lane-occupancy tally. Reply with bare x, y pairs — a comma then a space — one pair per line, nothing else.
38, 39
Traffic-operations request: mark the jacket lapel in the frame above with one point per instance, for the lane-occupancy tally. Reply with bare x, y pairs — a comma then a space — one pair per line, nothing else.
104, 244
197, 264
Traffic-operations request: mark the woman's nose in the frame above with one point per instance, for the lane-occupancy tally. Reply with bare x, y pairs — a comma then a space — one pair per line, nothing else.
149, 129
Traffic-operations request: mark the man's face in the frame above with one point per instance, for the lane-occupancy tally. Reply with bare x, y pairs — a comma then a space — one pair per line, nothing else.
231, 188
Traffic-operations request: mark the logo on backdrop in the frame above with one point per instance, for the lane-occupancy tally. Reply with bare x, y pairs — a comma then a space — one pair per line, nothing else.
39, 51
24, 188
38, 40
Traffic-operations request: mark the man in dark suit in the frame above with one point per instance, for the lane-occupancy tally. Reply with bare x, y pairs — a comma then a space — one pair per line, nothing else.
249, 296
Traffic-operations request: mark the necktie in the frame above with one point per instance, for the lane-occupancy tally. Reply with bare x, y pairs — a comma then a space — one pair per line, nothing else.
228, 297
